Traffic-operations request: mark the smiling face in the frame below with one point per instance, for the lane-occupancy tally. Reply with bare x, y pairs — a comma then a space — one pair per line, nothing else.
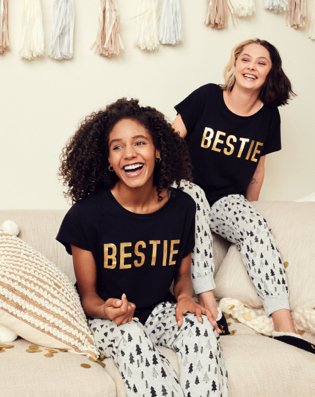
252, 67
132, 153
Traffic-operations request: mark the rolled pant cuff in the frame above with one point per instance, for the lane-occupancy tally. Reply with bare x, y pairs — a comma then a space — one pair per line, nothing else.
274, 303
203, 284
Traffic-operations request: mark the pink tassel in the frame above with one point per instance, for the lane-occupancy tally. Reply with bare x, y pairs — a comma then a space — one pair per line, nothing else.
297, 13
4, 31
217, 14
108, 42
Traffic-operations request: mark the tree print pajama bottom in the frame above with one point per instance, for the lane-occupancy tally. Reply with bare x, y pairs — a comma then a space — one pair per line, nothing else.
237, 221
146, 372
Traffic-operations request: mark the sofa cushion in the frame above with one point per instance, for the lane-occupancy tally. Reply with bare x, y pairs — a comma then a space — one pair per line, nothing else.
292, 224
46, 374
264, 367
38, 302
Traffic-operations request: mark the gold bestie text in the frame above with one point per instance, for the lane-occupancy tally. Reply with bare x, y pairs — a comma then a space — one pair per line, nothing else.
219, 141
126, 255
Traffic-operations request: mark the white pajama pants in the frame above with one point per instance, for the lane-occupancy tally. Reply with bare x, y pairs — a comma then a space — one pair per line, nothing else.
146, 372
236, 220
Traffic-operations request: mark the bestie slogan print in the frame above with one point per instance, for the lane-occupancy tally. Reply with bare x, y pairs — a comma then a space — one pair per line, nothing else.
127, 255
230, 145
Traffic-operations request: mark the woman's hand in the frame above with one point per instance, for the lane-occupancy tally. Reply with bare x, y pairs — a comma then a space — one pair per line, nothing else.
186, 304
208, 301
120, 311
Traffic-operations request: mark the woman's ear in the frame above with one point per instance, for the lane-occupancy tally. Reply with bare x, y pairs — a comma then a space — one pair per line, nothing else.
157, 156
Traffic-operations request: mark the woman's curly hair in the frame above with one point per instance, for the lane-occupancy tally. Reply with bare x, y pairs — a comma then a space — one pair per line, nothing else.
84, 160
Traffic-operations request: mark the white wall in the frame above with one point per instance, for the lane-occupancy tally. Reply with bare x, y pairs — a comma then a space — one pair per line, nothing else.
43, 101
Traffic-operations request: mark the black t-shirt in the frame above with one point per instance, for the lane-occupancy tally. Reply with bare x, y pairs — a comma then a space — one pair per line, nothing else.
225, 148
135, 254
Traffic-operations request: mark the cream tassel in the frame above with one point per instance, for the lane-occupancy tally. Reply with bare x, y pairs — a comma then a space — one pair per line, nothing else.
170, 22
297, 13
277, 6
33, 33
311, 33
61, 44
217, 14
242, 8
4, 31
147, 37
108, 41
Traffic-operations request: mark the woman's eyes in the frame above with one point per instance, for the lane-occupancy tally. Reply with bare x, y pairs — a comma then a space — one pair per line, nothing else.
137, 143
140, 143
261, 63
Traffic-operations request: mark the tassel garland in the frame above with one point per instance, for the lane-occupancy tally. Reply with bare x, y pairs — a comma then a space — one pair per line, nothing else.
147, 37
170, 22
242, 8
297, 13
217, 14
108, 42
33, 33
276, 6
4, 31
61, 44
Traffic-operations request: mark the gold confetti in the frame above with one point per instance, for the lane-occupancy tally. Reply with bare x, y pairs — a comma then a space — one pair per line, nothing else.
233, 332
6, 346
2, 349
300, 331
247, 316
49, 354
53, 351
285, 264
231, 307
33, 349
84, 365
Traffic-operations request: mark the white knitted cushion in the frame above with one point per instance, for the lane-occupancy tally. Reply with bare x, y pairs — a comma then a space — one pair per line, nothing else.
38, 302
293, 226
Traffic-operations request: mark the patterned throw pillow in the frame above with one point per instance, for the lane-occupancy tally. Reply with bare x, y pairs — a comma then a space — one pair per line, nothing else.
38, 302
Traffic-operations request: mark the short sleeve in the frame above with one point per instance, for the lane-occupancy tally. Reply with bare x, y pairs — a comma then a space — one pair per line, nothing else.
191, 108
190, 229
74, 230
273, 141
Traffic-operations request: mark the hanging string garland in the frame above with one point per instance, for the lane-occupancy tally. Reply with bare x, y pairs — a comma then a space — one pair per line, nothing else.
33, 33
147, 36
170, 22
217, 14
242, 8
61, 44
297, 13
4, 30
276, 6
108, 41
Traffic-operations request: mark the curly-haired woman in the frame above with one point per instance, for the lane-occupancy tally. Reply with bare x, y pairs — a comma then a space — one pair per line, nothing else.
131, 235
229, 130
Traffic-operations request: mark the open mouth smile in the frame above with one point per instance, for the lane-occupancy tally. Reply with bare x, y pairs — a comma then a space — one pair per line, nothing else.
133, 168
249, 76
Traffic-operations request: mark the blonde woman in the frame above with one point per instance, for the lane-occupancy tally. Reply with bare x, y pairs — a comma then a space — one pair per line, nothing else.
230, 129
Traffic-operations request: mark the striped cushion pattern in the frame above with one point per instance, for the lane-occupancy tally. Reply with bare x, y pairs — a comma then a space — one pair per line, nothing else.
38, 302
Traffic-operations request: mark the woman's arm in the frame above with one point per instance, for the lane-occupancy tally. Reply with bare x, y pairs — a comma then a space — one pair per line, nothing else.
179, 126
183, 290
118, 310
254, 187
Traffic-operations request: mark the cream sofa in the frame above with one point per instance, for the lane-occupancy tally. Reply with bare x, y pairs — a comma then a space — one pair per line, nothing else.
258, 365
